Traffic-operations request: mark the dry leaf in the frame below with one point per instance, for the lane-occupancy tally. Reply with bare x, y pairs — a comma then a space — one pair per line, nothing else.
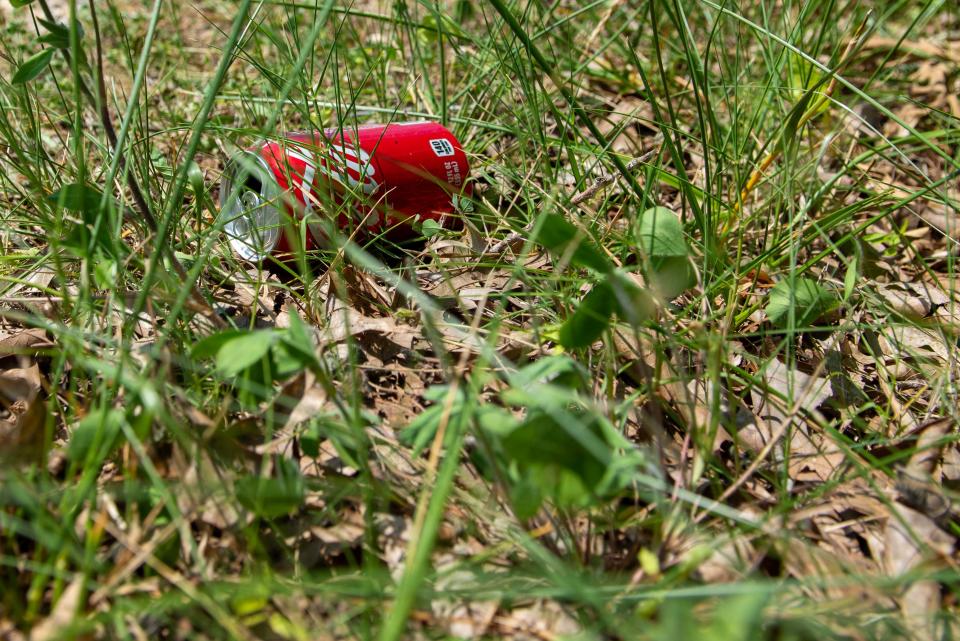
24, 342
37, 279
317, 544
924, 49
22, 415
312, 402
804, 391
903, 299
463, 619
804, 560
913, 540
635, 112
345, 322
201, 492
62, 615
811, 456
543, 620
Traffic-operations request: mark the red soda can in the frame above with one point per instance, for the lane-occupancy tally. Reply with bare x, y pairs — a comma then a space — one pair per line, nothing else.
374, 179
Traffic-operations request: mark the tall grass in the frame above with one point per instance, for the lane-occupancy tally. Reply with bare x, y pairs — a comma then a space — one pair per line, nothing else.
158, 502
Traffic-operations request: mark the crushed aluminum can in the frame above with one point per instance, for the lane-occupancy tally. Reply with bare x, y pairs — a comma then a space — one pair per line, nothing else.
373, 179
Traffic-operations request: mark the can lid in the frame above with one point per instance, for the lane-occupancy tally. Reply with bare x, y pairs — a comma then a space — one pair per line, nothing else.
249, 199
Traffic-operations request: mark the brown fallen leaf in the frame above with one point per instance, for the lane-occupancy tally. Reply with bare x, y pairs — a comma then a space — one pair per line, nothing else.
903, 299
625, 118
302, 398
918, 48
22, 415
812, 457
62, 615
312, 400
804, 560
913, 540
345, 322
202, 488
543, 619
24, 342
8, 630
315, 543
465, 619
37, 279
925, 497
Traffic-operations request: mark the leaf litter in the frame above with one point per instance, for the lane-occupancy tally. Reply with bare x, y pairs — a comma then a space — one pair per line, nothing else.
800, 419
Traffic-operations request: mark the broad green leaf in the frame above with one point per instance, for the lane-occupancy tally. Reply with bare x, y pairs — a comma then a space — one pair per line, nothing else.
272, 497
526, 496
78, 197
105, 271
796, 117
58, 35
590, 319
238, 352
421, 430
673, 275
246, 604
160, 164
554, 369
285, 360
807, 85
850, 279
298, 337
20, 3
631, 303
294, 351
431, 228
253, 384
284, 628
661, 237
616, 293
95, 229
310, 439
567, 460
32, 67
674, 621
560, 450
99, 432
209, 346
495, 419
543, 395
661, 234
808, 299
55, 40
740, 618
241, 352
649, 562
563, 239
195, 176
571, 438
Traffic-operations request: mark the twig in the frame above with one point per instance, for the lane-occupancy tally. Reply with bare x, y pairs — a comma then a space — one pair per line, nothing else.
503, 244
607, 179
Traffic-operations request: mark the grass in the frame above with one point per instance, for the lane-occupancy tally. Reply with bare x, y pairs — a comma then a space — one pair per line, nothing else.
711, 392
